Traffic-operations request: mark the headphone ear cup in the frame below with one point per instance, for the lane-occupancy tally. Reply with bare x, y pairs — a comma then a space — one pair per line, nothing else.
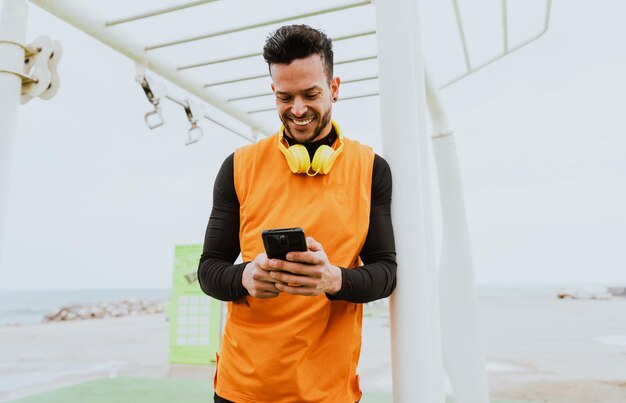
323, 159
298, 159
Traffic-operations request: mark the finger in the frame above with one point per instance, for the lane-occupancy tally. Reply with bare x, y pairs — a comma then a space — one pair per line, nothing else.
307, 291
312, 244
302, 269
304, 257
262, 261
293, 279
261, 275
266, 294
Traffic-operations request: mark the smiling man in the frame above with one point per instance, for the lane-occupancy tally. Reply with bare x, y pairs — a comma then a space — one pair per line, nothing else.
293, 330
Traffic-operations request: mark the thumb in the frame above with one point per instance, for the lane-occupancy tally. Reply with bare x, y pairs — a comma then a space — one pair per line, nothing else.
313, 245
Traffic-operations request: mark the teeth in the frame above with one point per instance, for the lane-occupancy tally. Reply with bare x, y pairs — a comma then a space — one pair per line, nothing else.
302, 122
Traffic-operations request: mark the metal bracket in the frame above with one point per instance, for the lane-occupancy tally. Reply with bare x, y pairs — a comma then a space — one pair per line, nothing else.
40, 69
153, 93
194, 112
39, 75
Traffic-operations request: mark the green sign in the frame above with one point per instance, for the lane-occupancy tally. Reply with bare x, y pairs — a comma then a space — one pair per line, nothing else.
194, 316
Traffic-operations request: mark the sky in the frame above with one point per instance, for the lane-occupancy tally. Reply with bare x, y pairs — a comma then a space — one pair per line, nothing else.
97, 200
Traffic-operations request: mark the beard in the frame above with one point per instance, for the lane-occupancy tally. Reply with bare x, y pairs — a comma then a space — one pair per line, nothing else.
321, 124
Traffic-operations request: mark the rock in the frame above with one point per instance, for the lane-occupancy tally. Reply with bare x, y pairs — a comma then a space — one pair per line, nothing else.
105, 310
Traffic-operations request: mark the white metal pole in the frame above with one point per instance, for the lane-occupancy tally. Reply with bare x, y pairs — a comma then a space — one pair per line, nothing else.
417, 366
12, 33
462, 352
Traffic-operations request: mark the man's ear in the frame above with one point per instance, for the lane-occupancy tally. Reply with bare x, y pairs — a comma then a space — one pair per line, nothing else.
334, 88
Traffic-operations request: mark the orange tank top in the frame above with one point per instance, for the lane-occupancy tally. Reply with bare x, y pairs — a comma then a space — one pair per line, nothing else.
294, 348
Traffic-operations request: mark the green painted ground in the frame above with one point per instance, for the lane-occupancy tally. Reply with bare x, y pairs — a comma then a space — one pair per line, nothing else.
154, 390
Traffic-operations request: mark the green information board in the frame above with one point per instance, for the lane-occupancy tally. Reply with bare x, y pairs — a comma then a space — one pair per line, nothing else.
194, 316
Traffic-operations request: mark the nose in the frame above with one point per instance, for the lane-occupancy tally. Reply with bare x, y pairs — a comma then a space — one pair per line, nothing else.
298, 108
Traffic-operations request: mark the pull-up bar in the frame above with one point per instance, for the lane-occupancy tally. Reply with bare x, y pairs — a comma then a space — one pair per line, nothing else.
257, 25
156, 12
257, 54
236, 80
266, 94
373, 94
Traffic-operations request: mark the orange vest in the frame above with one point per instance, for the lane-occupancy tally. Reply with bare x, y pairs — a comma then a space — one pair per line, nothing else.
294, 348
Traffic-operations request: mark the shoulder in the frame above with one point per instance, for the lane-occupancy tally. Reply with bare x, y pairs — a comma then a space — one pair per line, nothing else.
269, 141
381, 180
224, 181
251, 152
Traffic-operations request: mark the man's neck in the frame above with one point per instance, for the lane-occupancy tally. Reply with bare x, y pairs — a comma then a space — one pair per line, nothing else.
311, 147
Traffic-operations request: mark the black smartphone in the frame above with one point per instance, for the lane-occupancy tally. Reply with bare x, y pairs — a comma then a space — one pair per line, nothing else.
278, 242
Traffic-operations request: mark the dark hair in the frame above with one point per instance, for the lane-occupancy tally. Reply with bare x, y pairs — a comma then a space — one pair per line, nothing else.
292, 42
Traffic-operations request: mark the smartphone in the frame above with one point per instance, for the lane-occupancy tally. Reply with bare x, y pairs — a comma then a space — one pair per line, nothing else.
278, 242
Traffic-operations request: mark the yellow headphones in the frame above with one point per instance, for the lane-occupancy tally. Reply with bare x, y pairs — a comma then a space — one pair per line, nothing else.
298, 157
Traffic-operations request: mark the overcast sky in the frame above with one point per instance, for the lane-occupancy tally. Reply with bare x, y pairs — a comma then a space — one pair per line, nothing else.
99, 201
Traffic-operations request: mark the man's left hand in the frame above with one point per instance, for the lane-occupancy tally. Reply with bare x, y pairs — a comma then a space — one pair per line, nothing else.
306, 273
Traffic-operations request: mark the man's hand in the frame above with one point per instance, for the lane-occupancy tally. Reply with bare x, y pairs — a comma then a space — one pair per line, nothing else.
306, 273
256, 278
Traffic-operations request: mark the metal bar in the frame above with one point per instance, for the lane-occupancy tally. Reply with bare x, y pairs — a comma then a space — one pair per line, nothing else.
356, 80
236, 80
86, 19
258, 25
156, 12
463, 357
360, 59
266, 94
459, 24
256, 54
217, 61
13, 24
193, 66
511, 50
505, 26
352, 36
373, 94
261, 110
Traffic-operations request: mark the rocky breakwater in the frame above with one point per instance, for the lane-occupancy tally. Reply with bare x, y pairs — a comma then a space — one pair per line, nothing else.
106, 310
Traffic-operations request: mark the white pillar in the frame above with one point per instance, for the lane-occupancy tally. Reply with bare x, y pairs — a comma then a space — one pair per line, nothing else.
417, 366
12, 28
462, 356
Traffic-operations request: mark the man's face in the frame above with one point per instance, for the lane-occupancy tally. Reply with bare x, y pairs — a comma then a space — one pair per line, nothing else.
304, 97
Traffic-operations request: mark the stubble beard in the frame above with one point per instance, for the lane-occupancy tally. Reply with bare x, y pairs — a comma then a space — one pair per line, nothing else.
322, 123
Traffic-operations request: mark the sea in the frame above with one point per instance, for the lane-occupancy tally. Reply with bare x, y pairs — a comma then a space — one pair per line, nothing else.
25, 307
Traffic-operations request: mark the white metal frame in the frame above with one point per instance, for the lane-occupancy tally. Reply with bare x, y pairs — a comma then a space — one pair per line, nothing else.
430, 308
80, 15
13, 22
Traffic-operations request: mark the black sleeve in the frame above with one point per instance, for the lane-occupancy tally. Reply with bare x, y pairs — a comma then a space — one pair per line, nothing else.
217, 274
376, 279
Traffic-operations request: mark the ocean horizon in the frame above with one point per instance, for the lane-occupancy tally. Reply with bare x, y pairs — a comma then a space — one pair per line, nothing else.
31, 306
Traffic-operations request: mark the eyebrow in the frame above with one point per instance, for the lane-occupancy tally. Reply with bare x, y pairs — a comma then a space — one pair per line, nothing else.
314, 88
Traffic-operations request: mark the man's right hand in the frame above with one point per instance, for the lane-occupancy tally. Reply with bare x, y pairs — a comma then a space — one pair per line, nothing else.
257, 280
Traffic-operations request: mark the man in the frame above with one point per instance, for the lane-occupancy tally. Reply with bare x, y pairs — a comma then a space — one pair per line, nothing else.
293, 330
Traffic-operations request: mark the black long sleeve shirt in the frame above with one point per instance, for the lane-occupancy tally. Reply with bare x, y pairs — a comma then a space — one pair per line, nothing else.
375, 279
